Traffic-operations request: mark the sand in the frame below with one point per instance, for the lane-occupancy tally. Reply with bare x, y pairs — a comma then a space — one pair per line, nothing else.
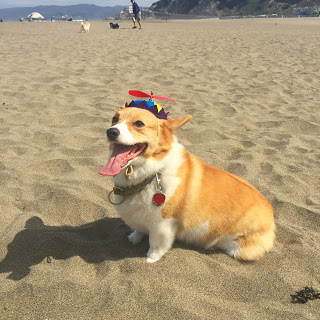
252, 87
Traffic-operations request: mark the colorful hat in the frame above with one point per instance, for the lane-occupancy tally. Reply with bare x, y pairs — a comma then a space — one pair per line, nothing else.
154, 108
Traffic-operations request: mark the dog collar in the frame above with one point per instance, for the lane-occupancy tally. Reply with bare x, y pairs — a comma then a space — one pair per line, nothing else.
158, 198
128, 191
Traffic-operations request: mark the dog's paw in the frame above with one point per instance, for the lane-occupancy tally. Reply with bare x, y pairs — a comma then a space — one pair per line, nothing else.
153, 256
135, 236
149, 260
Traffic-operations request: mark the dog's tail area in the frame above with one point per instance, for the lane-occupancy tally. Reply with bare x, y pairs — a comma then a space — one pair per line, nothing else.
254, 244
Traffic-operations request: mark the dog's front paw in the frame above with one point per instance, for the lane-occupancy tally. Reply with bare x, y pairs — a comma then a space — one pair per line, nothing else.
135, 236
150, 260
153, 256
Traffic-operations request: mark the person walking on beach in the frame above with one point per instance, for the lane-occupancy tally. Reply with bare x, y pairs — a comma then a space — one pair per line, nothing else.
136, 14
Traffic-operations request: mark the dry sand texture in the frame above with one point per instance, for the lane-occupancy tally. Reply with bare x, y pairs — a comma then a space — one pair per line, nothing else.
252, 87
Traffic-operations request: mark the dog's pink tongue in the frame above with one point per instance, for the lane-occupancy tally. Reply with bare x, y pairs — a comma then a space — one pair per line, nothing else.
116, 160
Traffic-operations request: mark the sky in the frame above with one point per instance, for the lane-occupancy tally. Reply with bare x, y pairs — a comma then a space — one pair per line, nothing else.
103, 3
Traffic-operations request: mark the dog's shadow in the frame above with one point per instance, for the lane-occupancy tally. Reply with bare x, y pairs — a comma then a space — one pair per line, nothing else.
95, 242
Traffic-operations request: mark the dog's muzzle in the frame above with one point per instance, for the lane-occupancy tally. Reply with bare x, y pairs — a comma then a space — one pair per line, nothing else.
113, 134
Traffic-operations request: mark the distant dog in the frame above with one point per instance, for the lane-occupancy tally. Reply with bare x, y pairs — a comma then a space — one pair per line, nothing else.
114, 25
85, 26
164, 191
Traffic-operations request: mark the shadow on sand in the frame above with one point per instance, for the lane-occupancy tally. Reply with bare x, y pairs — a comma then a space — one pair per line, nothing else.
95, 242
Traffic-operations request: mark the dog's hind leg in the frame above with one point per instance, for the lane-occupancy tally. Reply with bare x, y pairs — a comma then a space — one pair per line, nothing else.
136, 236
161, 239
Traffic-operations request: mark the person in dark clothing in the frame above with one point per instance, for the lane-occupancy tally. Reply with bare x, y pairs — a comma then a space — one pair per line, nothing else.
136, 13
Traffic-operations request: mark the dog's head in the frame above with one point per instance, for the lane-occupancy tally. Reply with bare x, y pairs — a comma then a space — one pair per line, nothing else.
136, 135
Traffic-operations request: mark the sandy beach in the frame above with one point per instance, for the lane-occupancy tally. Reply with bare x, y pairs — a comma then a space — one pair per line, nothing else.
253, 89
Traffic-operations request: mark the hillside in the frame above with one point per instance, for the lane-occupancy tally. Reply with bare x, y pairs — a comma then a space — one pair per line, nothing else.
81, 11
230, 7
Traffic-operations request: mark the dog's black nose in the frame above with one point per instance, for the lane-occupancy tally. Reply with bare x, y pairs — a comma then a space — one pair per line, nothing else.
113, 134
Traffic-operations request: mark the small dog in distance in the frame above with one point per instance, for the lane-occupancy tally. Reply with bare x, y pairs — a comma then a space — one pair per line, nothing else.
114, 25
85, 26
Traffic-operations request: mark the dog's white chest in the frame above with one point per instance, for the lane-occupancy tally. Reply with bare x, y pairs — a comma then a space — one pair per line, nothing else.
139, 211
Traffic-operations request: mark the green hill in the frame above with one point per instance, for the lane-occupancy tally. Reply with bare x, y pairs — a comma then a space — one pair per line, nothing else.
231, 7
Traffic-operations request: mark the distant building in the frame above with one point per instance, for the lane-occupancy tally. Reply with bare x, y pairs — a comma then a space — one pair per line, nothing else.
125, 14
306, 12
128, 9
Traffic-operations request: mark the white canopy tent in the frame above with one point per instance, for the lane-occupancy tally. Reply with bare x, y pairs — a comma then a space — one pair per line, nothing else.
35, 16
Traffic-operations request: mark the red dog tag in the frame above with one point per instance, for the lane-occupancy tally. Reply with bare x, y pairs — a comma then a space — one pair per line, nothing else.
158, 199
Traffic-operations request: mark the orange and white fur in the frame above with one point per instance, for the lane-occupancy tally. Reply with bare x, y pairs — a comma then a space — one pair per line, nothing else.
204, 206
85, 26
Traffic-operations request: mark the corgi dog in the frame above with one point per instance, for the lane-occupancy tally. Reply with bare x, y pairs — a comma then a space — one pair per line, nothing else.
163, 191
85, 26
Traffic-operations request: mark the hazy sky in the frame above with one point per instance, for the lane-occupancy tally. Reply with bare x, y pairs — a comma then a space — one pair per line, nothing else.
103, 3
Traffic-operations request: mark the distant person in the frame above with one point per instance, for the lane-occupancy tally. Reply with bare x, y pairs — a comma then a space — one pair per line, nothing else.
136, 13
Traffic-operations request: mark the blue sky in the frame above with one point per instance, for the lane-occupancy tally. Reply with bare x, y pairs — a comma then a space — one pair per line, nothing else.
103, 3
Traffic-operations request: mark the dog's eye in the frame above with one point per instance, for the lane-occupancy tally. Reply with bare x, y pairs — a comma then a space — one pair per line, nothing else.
115, 119
139, 124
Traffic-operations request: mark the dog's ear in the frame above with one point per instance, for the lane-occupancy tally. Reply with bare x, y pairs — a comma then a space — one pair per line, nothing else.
175, 124
122, 107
